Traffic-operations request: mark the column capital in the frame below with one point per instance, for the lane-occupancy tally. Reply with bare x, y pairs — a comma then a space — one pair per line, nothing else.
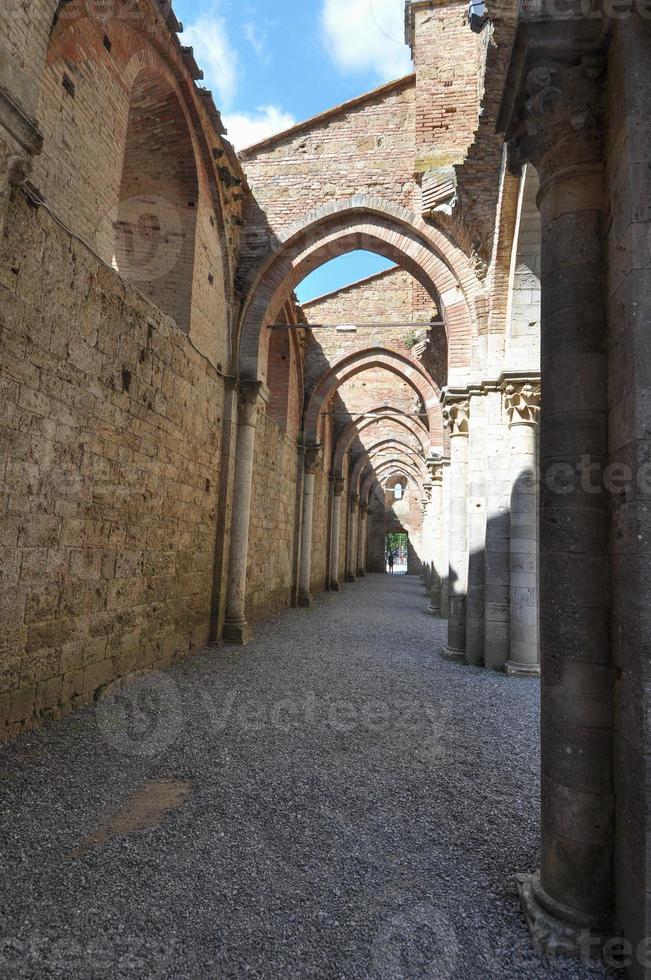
456, 418
435, 467
337, 485
312, 459
354, 499
556, 119
522, 402
364, 508
251, 393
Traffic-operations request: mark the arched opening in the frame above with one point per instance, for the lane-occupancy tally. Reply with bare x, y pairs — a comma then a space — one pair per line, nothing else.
397, 552
375, 226
154, 231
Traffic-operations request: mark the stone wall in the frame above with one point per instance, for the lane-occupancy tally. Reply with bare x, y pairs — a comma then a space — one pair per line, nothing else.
120, 156
110, 427
274, 522
363, 145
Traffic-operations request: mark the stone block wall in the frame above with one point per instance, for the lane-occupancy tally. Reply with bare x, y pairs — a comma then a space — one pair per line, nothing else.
448, 56
274, 521
110, 428
523, 335
346, 150
122, 165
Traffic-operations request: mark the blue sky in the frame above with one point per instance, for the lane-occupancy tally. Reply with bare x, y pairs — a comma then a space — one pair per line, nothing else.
270, 65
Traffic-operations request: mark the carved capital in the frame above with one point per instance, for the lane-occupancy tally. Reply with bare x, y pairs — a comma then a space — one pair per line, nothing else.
560, 122
354, 499
312, 459
252, 395
437, 475
456, 418
337, 485
435, 467
522, 403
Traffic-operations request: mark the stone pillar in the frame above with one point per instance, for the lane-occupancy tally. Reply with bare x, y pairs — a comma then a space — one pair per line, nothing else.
497, 576
352, 537
312, 459
456, 420
361, 541
251, 394
436, 507
426, 538
476, 531
337, 490
523, 407
558, 123
445, 540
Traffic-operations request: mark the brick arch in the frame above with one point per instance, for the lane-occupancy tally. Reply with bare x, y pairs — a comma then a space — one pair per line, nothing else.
394, 466
154, 236
363, 222
405, 459
373, 476
142, 43
402, 365
360, 424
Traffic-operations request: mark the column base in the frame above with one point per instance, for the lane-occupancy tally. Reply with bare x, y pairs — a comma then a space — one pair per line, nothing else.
435, 611
239, 633
557, 930
361, 573
304, 600
456, 656
522, 670
335, 587
350, 577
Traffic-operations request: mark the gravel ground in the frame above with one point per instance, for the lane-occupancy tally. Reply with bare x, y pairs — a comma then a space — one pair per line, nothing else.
333, 801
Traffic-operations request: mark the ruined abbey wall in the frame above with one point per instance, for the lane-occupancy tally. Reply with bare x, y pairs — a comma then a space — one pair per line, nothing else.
111, 431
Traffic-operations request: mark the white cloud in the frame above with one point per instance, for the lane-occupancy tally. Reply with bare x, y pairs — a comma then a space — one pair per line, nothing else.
245, 129
367, 35
214, 53
258, 41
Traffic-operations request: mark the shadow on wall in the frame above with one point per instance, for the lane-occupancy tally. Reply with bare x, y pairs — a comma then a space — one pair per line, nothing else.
494, 606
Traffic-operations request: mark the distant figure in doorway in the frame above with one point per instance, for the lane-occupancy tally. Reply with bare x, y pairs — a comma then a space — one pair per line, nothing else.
391, 562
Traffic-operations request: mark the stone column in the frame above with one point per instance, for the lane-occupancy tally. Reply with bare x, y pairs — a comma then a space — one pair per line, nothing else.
558, 123
361, 541
445, 540
456, 420
436, 507
251, 395
312, 459
497, 577
426, 538
523, 407
337, 490
476, 531
352, 537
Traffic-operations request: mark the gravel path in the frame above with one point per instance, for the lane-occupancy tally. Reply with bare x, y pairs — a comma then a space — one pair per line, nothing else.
333, 801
